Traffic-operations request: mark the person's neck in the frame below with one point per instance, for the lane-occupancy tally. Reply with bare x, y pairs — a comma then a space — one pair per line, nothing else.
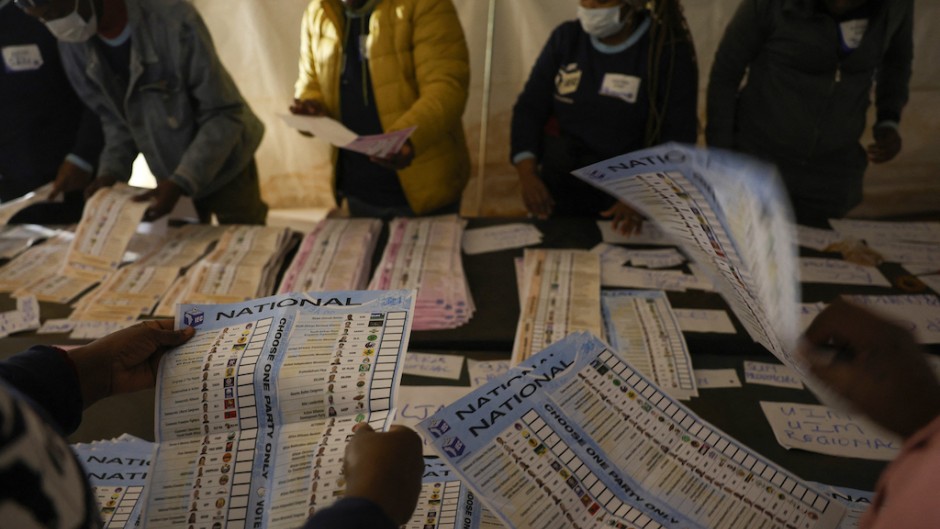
625, 32
113, 18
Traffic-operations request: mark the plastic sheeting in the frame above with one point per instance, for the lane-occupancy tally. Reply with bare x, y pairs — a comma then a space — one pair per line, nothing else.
258, 41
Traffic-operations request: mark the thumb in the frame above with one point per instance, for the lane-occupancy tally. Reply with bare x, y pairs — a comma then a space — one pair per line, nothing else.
609, 212
362, 427
173, 337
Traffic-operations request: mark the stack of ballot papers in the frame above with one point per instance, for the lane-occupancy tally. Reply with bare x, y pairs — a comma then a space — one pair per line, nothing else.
12, 207
424, 254
243, 266
108, 222
641, 326
336, 255
42, 260
561, 295
117, 470
577, 437
15, 240
134, 290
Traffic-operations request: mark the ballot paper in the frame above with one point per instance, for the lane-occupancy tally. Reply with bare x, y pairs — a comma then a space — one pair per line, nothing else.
254, 412
823, 430
424, 254
15, 240
503, 237
562, 295
641, 326
336, 255
336, 134
243, 266
919, 314
704, 320
872, 230
574, 436
816, 238
117, 471
109, 220
839, 272
729, 214
855, 501
24, 318
10, 208
445, 502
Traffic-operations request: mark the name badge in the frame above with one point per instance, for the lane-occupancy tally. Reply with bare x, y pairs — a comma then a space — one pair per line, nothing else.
568, 79
853, 31
22, 58
622, 86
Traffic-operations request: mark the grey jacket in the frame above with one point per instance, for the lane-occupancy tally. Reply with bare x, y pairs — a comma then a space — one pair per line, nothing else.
181, 109
801, 101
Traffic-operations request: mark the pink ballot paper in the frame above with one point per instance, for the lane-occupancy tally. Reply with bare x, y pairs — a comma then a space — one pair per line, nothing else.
335, 133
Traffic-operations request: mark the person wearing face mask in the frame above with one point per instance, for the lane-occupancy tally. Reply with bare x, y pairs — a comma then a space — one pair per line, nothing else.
381, 66
47, 135
810, 65
620, 78
149, 70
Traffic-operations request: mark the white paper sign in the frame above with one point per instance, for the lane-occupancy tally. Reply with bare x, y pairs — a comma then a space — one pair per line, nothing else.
665, 258
433, 365
704, 320
777, 375
482, 371
416, 403
920, 314
495, 238
816, 238
839, 272
717, 378
822, 430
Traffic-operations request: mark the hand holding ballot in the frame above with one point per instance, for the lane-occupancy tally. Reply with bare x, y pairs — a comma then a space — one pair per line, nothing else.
126, 360
385, 468
875, 364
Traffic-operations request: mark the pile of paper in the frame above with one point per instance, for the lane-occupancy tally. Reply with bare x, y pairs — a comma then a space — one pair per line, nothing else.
109, 221
424, 254
117, 471
38, 261
561, 296
503, 237
134, 290
243, 266
15, 240
336, 255
642, 327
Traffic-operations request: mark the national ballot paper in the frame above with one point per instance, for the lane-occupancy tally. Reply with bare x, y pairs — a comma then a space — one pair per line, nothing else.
254, 412
576, 437
336, 134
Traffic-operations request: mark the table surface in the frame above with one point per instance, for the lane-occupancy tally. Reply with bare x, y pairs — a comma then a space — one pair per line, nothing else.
489, 335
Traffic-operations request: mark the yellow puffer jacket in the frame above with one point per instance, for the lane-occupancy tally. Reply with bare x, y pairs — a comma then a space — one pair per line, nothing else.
420, 71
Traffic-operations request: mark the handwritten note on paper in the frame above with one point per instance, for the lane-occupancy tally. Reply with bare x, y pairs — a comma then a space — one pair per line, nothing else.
613, 275
920, 314
777, 375
665, 258
56, 326
704, 320
650, 234
822, 430
871, 230
816, 238
416, 403
932, 281
433, 365
808, 313
482, 371
906, 252
24, 318
839, 272
495, 238
716, 378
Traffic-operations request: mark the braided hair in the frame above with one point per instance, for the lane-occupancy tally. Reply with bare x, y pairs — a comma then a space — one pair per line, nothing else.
668, 30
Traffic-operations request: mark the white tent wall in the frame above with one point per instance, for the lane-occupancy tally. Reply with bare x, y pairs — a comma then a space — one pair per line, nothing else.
258, 41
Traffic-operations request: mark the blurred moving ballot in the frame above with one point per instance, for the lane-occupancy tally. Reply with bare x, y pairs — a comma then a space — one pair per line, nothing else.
335, 133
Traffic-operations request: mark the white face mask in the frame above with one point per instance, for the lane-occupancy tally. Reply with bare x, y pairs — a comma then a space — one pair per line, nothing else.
600, 22
74, 28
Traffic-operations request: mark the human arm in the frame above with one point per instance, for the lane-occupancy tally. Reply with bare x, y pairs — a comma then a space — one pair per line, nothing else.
383, 480
77, 170
892, 84
874, 364
63, 383
740, 45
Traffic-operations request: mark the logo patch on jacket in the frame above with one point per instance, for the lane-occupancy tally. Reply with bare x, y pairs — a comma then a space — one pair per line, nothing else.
568, 79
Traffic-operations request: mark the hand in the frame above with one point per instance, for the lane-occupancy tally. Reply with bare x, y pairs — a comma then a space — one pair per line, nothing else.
98, 183
876, 366
399, 160
385, 468
164, 196
70, 177
126, 360
626, 220
887, 145
538, 201
307, 107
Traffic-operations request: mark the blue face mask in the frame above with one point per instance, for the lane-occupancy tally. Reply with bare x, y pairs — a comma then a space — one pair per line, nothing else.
602, 21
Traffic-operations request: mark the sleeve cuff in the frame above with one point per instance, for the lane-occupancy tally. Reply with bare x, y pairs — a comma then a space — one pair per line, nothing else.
524, 155
889, 123
79, 162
